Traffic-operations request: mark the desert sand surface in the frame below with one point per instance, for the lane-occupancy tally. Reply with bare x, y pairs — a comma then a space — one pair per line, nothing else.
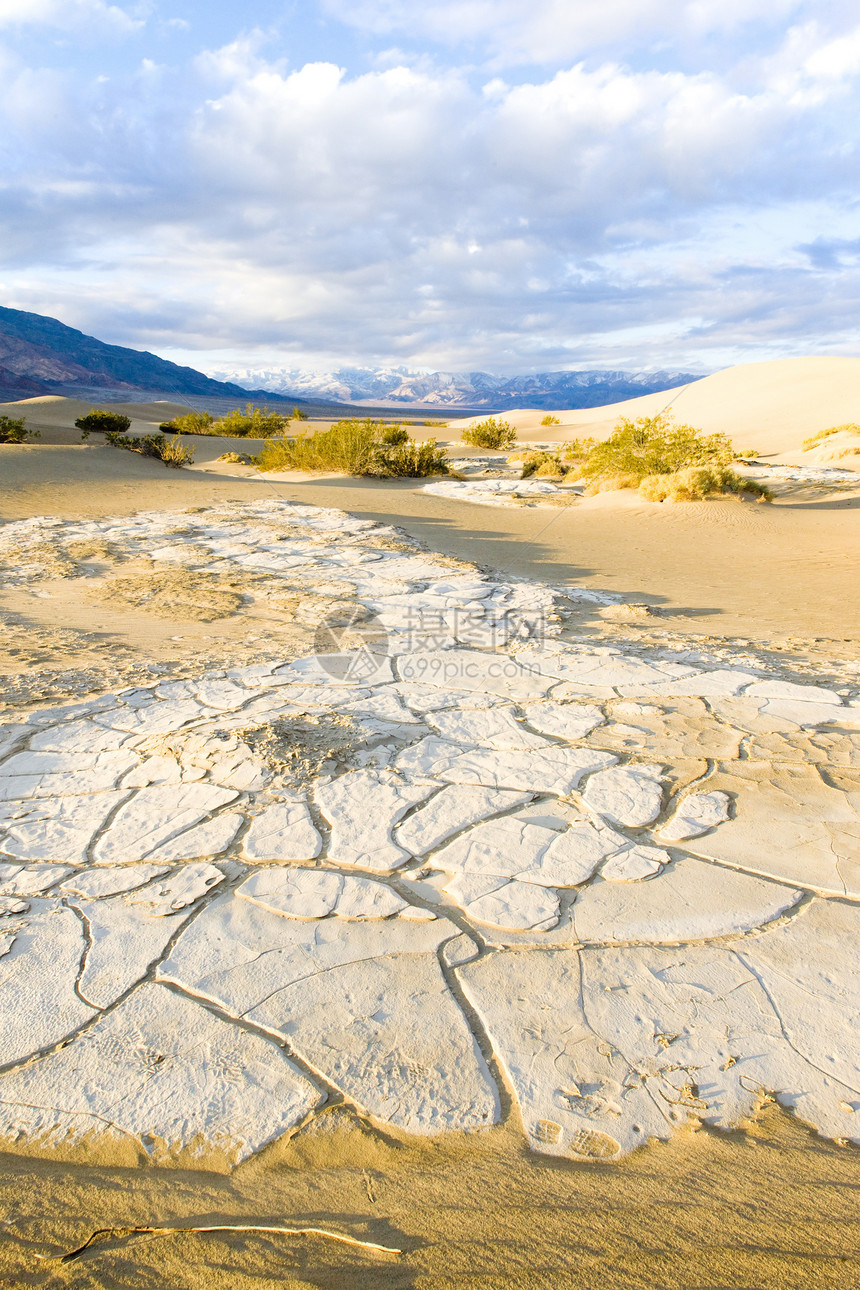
722, 567
183, 778
769, 1207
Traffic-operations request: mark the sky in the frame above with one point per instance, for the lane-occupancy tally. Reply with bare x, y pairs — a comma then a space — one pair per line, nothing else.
480, 184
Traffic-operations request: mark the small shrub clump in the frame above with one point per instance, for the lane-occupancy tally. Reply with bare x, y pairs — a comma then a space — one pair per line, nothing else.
490, 434
355, 447
189, 423
102, 419
550, 420
348, 446
412, 460
542, 465
394, 436
665, 461
654, 446
170, 451
14, 430
251, 423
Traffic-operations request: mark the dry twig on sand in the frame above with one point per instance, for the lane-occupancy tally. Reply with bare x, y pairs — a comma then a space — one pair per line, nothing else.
104, 1233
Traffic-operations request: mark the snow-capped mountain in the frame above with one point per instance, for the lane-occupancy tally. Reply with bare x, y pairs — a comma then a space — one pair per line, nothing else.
404, 385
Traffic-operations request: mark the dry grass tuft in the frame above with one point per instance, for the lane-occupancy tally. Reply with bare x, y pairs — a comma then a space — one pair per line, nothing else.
236, 458
695, 483
610, 484
850, 427
170, 451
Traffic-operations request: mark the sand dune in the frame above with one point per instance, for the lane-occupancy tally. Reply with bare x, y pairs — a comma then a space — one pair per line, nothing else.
54, 412
771, 407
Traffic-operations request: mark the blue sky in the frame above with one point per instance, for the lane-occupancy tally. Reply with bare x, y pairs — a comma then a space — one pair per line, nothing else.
483, 184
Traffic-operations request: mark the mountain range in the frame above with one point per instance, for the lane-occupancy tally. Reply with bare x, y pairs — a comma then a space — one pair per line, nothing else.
40, 355
474, 390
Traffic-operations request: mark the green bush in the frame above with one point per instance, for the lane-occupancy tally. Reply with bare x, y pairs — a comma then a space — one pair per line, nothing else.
490, 434
411, 460
543, 465
654, 446
14, 430
171, 451
353, 447
348, 446
251, 423
189, 423
394, 436
101, 419
550, 420
576, 450
298, 415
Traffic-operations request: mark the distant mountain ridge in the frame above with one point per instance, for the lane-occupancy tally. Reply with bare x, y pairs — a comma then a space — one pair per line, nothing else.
40, 355
404, 385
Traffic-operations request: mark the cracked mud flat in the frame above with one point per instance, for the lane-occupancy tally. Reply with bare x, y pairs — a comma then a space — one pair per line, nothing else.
486, 874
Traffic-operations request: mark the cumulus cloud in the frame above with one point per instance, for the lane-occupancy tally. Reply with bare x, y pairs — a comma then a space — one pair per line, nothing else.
616, 211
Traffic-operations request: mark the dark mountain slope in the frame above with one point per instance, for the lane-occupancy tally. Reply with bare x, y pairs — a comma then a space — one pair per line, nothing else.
40, 355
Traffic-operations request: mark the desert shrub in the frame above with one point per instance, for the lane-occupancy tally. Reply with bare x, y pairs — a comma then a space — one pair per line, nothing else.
236, 458
610, 484
298, 415
434, 423
850, 427
102, 419
411, 460
394, 436
251, 423
576, 450
170, 451
348, 446
655, 446
550, 420
14, 430
189, 423
354, 447
490, 434
542, 465
694, 483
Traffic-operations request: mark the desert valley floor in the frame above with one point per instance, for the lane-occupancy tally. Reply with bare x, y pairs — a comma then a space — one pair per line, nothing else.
476, 882
446, 867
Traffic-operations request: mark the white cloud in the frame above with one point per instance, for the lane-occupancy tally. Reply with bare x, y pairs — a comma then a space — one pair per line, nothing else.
410, 214
554, 31
68, 15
